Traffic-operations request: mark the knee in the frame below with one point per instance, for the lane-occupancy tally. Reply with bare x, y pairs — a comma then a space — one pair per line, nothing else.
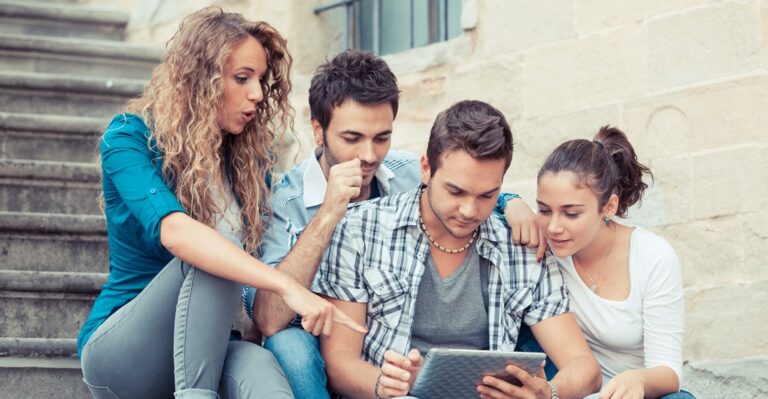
295, 349
252, 371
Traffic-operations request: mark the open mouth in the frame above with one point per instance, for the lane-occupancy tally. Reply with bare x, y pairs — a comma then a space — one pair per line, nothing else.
249, 115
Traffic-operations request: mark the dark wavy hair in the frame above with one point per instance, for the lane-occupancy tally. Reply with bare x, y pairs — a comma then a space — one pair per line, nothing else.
472, 126
606, 165
353, 74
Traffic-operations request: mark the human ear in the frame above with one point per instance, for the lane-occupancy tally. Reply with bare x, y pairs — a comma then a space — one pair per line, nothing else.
425, 170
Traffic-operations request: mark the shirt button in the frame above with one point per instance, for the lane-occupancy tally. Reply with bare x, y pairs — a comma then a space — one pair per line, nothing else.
152, 191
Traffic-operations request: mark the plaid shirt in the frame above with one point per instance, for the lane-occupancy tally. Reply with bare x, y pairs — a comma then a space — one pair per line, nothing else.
378, 255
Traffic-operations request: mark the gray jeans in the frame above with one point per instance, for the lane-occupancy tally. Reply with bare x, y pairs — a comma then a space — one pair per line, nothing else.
172, 339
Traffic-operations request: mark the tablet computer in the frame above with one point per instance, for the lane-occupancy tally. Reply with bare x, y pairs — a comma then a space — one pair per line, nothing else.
455, 373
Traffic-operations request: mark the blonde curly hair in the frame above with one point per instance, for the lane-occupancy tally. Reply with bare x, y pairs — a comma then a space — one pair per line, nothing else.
180, 105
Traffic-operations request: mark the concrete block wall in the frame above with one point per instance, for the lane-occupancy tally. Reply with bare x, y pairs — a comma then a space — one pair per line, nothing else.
686, 79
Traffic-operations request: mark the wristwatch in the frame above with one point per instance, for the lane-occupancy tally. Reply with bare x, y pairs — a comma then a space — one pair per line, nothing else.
553, 390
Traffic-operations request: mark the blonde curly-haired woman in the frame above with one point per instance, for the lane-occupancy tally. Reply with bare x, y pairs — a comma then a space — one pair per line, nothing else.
185, 179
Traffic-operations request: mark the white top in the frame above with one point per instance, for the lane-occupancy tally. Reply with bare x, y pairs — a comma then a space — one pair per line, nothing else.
646, 329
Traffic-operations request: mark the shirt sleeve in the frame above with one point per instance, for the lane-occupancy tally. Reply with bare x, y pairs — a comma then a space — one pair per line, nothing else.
126, 161
550, 295
340, 274
280, 236
664, 311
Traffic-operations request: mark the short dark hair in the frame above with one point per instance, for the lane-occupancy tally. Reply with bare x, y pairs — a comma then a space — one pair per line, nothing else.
606, 165
473, 126
353, 74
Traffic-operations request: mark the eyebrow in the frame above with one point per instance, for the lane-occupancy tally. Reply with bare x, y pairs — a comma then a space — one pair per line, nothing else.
356, 133
455, 187
567, 206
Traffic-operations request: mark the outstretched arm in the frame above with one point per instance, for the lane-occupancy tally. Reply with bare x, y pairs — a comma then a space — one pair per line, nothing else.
271, 313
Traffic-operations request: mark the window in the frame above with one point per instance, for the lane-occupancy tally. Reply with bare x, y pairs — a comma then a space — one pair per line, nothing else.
390, 26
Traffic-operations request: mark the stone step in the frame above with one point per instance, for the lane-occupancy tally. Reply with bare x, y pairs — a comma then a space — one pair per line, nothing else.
41, 378
49, 187
88, 57
733, 379
46, 304
65, 95
50, 137
46, 19
53, 242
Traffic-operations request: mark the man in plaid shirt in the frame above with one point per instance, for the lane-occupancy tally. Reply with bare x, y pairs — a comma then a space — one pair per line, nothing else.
429, 268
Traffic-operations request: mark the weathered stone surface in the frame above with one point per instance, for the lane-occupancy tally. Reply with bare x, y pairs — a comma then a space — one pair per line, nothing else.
496, 80
585, 72
709, 250
656, 8
727, 322
536, 137
703, 44
734, 379
699, 118
509, 26
730, 181
755, 244
41, 378
43, 315
674, 181
595, 15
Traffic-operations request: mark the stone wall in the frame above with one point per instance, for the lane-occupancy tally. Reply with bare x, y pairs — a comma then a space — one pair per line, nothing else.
686, 79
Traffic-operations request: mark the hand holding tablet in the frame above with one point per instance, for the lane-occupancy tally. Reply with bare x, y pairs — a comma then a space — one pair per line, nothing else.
456, 373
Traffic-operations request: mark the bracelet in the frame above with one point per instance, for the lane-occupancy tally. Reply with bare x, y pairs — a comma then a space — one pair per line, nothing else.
376, 388
552, 390
501, 201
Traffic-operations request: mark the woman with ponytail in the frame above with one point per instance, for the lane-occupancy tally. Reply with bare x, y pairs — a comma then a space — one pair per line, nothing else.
625, 282
185, 178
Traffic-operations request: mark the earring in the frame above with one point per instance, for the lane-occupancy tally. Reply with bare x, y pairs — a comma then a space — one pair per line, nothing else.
606, 220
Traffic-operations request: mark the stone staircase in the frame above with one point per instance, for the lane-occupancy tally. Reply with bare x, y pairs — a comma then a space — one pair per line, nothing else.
64, 71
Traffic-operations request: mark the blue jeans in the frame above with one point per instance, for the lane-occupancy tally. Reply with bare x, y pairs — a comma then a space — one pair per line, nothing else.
683, 394
298, 353
526, 342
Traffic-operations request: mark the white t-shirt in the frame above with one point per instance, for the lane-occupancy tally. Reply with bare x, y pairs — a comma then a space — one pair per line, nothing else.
646, 329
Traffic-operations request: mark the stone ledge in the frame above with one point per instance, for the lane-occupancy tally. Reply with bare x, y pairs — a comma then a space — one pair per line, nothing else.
70, 84
734, 379
48, 223
19, 122
80, 47
25, 348
58, 12
49, 170
61, 282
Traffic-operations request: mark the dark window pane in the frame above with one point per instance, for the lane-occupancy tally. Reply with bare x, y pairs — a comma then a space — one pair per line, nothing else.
421, 23
454, 18
365, 25
395, 25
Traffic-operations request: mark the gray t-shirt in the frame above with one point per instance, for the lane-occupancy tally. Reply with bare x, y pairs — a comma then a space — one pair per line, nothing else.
453, 312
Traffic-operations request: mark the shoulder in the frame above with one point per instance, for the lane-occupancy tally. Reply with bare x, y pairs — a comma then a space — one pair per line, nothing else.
290, 187
651, 245
398, 159
125, 129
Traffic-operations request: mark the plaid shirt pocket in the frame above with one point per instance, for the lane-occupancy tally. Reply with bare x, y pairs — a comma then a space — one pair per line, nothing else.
387, 292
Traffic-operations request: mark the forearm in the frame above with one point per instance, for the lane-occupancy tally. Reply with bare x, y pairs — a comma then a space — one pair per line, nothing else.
351, 376
271, 314
578, 378
206, 249
659, 381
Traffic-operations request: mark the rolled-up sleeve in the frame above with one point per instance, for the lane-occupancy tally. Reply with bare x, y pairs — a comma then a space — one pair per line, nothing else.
550, 295
340, 274
126, 161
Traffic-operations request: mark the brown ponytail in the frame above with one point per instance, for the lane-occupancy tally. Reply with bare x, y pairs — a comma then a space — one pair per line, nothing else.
607, 165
